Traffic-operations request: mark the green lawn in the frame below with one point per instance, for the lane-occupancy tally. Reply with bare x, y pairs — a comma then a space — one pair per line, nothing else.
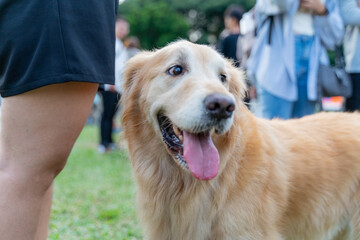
94, 196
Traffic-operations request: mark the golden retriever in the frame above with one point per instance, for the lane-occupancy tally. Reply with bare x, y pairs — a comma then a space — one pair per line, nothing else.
206, 168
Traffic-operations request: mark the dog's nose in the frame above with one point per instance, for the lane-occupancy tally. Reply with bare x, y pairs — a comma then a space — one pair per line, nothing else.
219, 106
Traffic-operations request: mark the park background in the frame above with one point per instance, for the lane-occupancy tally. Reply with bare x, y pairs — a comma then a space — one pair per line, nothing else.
94, 196
158, 22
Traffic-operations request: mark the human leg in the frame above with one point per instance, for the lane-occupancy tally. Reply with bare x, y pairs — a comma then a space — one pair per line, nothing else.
302, 106
272, 106
39, 129
44, 219
110, 102
353, 103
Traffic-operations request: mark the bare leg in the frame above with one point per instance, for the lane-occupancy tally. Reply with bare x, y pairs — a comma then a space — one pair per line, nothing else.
38, 131
43, 226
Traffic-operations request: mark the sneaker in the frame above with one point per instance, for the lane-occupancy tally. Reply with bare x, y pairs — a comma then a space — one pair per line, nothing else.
101, 149
113, 147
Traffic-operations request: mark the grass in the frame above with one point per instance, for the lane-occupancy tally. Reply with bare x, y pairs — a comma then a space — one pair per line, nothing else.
94, 196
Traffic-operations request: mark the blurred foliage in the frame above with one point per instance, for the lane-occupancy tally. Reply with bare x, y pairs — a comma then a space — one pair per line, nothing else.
94, 195
157, 22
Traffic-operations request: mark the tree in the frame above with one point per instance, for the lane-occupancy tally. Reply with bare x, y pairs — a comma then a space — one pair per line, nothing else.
207, 17
157, 22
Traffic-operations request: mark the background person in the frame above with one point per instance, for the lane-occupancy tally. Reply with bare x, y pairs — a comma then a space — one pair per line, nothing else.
291, 41
231, 42
228, 40
112, 93
121, 55
350, 10
49, 75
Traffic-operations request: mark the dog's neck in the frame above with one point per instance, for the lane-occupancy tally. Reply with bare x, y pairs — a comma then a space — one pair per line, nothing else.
165, 187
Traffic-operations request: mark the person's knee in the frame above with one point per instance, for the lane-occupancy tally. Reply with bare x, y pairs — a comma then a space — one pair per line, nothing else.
37, 172
55, 161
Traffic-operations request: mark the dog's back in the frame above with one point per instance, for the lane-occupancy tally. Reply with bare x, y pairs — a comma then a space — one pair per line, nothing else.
318, 159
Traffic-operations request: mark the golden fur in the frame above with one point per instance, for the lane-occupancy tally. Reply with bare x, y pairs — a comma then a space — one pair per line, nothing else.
277, 180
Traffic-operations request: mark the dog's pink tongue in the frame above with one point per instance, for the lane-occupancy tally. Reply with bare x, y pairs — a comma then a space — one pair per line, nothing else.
201, 155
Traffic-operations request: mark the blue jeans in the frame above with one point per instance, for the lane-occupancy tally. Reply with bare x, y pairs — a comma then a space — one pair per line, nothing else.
353, 103
275, 107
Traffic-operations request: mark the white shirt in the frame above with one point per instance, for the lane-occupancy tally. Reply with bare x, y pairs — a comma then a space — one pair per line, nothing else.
303, 22
120, 59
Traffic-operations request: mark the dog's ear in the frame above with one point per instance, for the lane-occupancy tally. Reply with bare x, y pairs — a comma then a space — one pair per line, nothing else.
237, 85
133, 68
134, 74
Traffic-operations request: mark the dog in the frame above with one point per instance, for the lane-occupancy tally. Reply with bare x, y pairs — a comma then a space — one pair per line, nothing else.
207, 168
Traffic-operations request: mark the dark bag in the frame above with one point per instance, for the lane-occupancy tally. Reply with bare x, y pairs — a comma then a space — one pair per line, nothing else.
334, 80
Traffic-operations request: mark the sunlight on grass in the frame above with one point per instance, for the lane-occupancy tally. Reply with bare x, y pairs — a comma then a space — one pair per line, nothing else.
94, 196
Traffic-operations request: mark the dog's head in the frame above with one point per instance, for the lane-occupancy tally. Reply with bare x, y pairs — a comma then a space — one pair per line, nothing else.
187, 93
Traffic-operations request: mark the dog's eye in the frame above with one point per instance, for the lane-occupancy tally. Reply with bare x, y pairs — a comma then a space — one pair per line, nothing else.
223, 78
175, 70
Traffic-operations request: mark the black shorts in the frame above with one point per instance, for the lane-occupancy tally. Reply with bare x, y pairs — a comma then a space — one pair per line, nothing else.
44, 42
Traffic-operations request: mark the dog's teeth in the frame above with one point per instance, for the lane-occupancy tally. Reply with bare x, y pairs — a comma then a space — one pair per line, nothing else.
178, 133
176, 130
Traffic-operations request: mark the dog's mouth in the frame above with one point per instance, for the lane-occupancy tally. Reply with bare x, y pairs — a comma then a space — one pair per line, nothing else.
192, 151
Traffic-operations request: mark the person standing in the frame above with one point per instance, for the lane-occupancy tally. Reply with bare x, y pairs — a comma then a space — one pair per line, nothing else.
121, 55
112, 93
292, 39
227, 44
350, 10
231, 42
52, 59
